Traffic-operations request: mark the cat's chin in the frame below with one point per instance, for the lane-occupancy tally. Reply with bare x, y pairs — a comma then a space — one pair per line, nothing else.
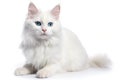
44, 36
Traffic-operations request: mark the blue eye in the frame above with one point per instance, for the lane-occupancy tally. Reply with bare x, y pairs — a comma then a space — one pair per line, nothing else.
38, 23
50, 24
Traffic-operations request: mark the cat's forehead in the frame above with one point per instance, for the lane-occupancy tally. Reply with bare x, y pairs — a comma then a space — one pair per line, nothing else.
45, 16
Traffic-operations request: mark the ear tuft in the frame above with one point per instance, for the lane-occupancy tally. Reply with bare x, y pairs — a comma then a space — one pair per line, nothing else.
32, 10
56, 11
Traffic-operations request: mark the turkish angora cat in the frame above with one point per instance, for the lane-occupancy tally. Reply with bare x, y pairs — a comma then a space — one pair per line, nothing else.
50, 48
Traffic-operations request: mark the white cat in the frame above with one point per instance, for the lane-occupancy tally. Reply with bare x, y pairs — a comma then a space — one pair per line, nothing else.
50, 48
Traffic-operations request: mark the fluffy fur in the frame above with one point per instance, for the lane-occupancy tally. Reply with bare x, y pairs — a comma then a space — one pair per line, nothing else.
54, 51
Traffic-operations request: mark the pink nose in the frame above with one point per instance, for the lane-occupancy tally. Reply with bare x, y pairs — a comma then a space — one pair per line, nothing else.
44, 30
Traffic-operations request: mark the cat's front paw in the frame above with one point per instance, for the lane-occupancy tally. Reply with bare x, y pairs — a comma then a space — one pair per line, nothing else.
44, 73
21, 71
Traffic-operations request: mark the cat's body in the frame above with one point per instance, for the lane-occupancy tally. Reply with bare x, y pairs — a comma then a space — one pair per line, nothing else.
50, 48
64, 49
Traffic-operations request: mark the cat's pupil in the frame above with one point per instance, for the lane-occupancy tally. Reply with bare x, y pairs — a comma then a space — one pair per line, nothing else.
38, 23
50, 24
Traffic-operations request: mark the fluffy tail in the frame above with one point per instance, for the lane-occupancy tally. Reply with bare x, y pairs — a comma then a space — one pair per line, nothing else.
100, 61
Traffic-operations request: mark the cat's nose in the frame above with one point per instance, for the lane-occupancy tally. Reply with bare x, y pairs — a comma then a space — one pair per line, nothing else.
44, 30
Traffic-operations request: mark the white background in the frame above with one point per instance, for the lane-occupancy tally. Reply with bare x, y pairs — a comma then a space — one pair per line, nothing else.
95, 22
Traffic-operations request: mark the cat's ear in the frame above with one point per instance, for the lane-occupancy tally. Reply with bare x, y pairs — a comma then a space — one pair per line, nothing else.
32, 10
56, 11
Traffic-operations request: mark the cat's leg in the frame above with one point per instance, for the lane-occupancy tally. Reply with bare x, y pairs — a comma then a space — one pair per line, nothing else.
48, 71
26, 69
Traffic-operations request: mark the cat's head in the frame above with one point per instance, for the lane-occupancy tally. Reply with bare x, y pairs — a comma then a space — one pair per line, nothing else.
42, 25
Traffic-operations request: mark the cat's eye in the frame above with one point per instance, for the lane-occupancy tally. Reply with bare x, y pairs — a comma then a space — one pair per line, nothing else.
50, 24
38, 23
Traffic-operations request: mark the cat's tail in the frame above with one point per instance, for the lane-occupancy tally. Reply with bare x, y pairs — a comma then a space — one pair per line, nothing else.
100, 61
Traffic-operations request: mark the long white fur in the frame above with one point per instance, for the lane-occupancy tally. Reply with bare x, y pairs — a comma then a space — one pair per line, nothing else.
59, 51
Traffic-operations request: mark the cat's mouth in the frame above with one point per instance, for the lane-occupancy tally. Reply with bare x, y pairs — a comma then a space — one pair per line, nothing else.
44, 34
